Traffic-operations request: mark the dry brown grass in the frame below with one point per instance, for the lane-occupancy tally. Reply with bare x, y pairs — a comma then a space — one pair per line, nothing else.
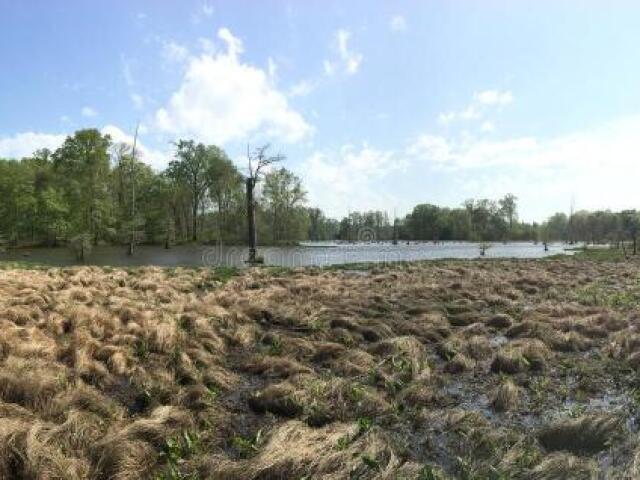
392, 373
587, 434
507, 397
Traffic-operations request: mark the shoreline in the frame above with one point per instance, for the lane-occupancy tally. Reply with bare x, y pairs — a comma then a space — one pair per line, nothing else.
198, 255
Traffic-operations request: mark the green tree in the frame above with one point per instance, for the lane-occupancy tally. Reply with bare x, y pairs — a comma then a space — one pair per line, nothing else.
631, 226
284, 200
225, 190
509, 209
556, 226
82, 163
321, 227
191, 167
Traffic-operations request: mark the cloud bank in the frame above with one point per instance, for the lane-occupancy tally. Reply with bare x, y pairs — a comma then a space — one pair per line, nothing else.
221, 99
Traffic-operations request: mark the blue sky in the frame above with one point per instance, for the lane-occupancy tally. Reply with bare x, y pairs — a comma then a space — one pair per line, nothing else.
376, 104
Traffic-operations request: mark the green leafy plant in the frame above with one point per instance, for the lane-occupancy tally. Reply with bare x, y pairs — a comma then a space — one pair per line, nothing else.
247, 446
429, 473
141, 348
175, 451
370, 462
364, 425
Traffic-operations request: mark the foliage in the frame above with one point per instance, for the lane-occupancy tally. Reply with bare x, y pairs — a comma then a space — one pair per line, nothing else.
82, 167
476, 220
190, 169
92, 187
175, 451
106, 193
284, 198
603, 226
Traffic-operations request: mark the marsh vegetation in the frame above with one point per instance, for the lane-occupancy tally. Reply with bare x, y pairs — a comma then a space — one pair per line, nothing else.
450, 369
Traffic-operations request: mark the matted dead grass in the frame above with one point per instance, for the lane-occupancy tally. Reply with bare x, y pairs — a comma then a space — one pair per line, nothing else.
452, 369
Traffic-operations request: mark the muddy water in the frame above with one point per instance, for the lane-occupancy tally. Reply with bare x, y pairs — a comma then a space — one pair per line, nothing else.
308, 255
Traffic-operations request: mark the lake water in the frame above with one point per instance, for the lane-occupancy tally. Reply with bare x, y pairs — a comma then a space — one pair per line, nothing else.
311, 254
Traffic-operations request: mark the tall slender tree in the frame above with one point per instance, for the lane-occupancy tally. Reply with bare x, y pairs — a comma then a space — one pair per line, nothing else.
258, 160
191, 167
509, 208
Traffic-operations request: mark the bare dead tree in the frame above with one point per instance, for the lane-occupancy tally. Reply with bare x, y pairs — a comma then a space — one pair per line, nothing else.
258, 160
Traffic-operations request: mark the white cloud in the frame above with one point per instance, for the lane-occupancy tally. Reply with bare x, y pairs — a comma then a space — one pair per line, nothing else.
329, 68
302, 88
24, 144
234, 44
350, 59
446, 117
598, 165
398, 23
494, 97
487, 126
430, 148
222, 99
347, 179
157, 159
174, 52
469, 113
471, 153
88, 112
482, 101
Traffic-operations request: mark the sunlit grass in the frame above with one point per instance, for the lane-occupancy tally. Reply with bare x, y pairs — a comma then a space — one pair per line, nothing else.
464, 369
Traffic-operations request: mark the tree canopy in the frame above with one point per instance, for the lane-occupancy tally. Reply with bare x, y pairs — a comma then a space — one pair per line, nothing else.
88, 185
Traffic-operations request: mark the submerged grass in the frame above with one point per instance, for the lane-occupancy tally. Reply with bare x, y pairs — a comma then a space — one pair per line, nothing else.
451, 369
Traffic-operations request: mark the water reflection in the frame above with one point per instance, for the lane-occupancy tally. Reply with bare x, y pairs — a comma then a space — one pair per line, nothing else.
311, 254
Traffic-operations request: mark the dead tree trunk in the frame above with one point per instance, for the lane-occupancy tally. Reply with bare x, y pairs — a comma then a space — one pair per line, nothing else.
194, 220
251, 219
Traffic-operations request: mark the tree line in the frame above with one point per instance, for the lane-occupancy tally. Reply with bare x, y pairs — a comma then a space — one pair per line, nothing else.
92, 190
488, 220
102, 192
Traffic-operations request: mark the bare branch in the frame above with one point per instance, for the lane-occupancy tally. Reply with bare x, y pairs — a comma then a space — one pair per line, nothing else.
262, 160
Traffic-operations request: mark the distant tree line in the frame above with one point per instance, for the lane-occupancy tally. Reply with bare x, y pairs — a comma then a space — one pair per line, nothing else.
600, 227
487, 220
475, 220
92, 190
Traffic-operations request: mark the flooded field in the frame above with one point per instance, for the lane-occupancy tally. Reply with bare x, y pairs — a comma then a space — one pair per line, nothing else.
319, 254
438, 370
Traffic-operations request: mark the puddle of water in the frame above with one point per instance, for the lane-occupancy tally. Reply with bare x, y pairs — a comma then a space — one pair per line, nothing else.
498, 341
